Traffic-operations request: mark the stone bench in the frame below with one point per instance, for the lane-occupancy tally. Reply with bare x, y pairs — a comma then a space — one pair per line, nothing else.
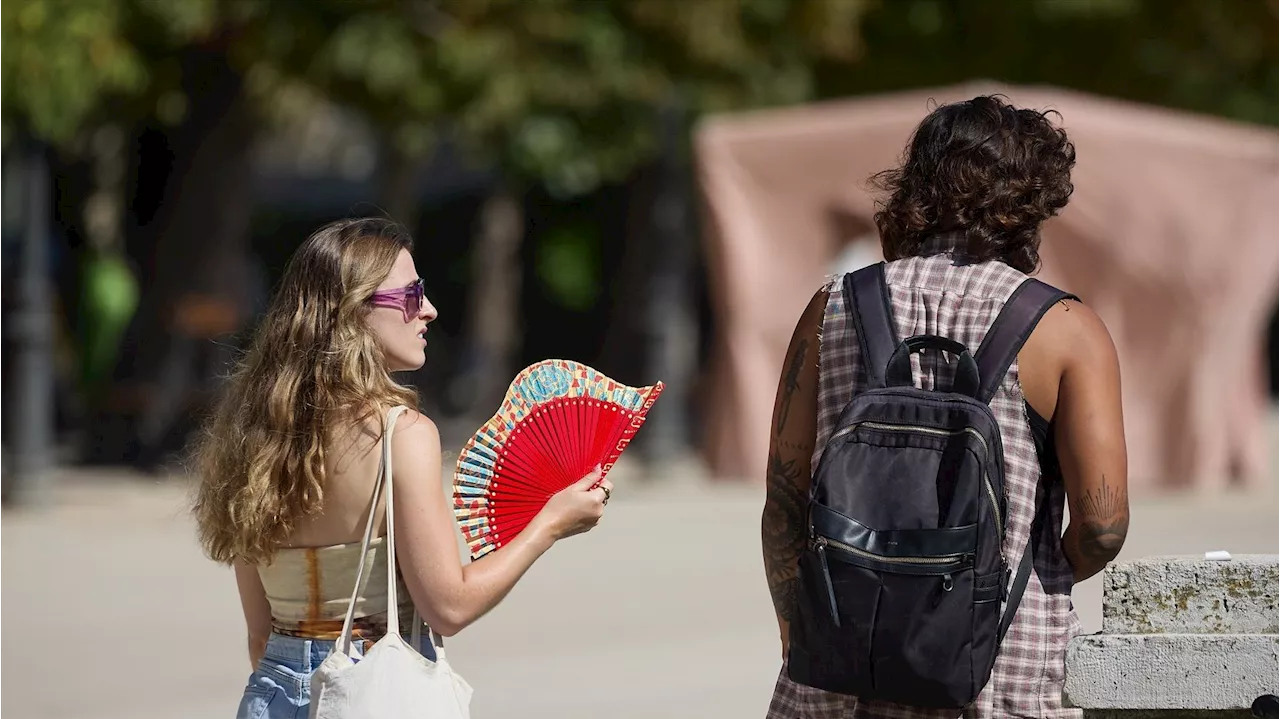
1181, 637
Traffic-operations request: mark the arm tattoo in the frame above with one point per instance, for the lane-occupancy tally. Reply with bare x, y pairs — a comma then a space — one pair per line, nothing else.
786, 503
1103, 502
783, 531
1104, 522
791, 382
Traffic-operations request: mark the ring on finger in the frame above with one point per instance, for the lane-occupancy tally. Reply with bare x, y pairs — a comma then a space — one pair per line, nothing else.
607, 494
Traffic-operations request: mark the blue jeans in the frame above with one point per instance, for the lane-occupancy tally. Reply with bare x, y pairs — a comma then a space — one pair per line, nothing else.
280, 688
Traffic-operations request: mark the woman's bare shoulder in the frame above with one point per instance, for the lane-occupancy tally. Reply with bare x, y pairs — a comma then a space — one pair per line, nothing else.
415, 432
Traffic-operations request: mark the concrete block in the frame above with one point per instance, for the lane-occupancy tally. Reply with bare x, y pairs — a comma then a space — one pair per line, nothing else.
1189, 595
1171, 671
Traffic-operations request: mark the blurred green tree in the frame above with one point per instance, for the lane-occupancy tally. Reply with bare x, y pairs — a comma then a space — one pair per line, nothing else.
563, 92
1217, 58
560, 93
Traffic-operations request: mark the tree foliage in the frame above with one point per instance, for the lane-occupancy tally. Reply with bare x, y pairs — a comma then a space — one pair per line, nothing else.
559, 91
62, 59
1217, 58
564, 91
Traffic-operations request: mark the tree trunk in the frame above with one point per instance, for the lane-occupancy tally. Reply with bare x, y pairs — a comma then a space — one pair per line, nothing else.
493, 306
196, 299
671, 323
654, 322
398, 187
29, 329
625, 352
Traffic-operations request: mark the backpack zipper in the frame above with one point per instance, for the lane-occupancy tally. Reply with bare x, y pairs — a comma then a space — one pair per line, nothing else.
986, 477
824, 542
820, 544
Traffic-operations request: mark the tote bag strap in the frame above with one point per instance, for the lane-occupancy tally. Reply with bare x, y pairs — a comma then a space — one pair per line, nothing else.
344, 644
393, 604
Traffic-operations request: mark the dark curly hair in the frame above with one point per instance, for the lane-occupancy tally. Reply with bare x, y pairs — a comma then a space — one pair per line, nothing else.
983, 170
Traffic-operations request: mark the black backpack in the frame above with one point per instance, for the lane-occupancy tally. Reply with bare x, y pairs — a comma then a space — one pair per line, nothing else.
902, 580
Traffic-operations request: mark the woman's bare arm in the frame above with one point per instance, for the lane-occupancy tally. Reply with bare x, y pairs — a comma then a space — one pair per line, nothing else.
449, 595
791, 445
257, 611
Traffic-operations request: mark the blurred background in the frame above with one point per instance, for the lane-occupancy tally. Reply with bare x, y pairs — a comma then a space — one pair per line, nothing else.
654, 187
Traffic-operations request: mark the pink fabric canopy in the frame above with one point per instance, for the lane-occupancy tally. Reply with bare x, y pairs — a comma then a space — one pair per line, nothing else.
1171, 236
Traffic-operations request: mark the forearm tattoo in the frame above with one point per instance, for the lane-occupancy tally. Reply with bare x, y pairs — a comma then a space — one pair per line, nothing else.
786, 504
1104, 522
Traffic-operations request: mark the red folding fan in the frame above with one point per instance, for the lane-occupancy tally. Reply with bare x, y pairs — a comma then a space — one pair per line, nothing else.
558, 420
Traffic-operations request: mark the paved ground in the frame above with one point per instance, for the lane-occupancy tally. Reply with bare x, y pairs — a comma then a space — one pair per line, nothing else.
111, 612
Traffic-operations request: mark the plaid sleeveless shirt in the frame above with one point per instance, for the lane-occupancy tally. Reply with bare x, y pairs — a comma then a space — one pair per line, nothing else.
942, 294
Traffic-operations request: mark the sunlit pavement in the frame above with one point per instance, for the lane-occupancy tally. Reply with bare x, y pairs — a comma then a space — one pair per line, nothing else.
110, 612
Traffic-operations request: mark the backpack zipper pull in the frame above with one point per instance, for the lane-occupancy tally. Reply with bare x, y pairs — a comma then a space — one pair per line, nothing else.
820, 544
946, 585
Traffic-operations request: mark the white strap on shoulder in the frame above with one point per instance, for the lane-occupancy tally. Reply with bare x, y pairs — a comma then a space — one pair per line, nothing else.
384, 478
388, 481
393, 604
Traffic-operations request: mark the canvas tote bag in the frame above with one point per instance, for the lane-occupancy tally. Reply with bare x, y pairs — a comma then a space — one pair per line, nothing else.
392, 680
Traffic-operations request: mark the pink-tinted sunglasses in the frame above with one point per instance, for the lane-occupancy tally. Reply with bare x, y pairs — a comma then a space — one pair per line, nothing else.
408, 299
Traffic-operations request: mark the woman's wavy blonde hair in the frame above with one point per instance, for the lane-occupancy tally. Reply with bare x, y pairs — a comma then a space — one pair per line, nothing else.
313, 364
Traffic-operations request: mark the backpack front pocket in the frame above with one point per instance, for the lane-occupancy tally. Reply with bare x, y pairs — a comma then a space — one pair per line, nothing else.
833, 631
919, 638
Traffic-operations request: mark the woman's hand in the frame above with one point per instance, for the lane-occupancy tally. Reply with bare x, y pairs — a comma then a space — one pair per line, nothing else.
576, 508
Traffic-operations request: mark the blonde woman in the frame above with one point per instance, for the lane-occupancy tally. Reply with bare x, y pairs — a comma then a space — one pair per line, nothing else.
288, 462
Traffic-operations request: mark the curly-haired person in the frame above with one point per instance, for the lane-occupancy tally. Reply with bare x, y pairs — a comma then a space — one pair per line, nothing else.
960, 231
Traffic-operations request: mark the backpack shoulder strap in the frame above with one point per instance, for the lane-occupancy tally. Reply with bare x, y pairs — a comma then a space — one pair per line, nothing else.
1010, 331
867, 298
1012, 327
